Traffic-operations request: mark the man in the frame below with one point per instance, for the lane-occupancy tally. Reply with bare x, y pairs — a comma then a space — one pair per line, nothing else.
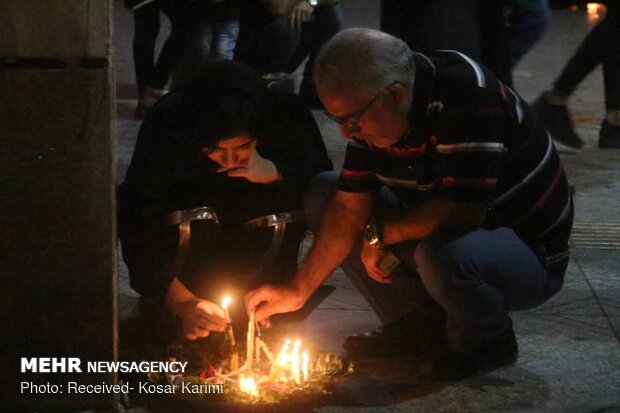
485, 211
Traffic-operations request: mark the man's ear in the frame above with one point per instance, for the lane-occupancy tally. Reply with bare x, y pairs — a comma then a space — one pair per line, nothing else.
397, 94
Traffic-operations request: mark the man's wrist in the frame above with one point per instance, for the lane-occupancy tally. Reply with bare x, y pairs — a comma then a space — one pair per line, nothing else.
373, 235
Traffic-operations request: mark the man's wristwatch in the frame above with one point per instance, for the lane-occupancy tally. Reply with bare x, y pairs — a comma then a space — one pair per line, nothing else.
372, 235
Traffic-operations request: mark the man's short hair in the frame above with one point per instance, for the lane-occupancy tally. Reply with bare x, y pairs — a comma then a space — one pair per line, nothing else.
363, 60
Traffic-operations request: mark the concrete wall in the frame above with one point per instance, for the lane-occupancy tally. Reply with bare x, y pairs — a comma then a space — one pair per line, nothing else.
57, 242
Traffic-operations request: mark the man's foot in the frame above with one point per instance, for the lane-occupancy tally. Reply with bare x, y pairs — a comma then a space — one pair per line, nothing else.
409, 333
456, 365
557, 120
609, 136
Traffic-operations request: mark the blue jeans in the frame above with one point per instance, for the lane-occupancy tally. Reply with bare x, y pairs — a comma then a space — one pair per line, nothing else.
217, 40
477, 276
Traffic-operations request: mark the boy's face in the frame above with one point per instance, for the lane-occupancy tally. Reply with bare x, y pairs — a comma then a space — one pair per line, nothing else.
232, 153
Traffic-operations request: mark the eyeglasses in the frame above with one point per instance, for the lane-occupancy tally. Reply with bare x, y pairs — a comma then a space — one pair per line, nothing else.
350, 122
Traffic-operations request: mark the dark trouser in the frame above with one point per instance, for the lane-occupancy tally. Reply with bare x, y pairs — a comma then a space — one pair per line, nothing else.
493, 37
528, 22
181, 29
327, 22
477, 277
146, 29
267, 48
602, 45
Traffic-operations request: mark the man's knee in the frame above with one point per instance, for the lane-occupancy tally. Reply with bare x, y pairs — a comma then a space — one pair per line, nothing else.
320, 191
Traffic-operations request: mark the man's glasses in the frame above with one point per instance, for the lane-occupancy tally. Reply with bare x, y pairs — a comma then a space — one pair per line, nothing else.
350, 122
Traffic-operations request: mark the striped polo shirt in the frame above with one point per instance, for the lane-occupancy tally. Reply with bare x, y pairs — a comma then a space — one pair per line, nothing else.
471, 139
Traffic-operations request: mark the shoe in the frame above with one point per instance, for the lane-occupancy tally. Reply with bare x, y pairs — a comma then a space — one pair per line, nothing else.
609, 136
408, 334
148, 98
557, 120
456, 365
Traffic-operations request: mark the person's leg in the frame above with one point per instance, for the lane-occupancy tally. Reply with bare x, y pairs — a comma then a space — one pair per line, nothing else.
590, 54
146, 29
174, 47
478, 277
493, 37
328, 22
609, 136
226, 34
528, 21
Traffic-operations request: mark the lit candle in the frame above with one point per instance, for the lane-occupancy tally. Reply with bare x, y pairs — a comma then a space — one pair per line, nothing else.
231, 335
305, 360
282, 356
249, 341
281, 359
268, 353
257, 349
295, 362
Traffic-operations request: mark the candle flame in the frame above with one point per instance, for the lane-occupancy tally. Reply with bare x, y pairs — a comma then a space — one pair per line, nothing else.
594, 9
226, 302
247, 385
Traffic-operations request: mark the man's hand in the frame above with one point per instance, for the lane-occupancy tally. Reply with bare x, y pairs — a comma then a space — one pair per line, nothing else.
300, 14
200, 317
371, 256
272, 299
257, 169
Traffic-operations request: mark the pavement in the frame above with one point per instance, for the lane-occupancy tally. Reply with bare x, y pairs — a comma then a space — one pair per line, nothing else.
569, 357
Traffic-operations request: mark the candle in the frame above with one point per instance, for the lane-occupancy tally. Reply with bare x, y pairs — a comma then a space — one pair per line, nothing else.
231, 335
295, 362
268, 353
280, 360
305, 360
249, 355
282, 355
257, 349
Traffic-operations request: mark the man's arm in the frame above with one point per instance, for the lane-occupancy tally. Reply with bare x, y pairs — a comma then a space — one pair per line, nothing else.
342, 223
423, 219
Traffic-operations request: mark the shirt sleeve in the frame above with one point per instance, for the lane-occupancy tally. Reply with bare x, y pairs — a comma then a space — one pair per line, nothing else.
358, 171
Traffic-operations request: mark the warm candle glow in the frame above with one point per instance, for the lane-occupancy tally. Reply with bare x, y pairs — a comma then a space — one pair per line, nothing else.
283, 356
594, 9
249, 355
226, 302
295, 362
247, 385
305, 361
